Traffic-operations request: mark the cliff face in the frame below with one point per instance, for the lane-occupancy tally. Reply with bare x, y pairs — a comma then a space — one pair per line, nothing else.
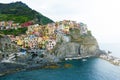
6, 45
74, 49
75, 44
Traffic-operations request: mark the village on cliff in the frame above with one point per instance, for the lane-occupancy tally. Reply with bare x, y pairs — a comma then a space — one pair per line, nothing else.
38, 37
42, 36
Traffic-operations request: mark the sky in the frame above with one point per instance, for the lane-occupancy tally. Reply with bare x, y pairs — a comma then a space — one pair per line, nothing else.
101, 16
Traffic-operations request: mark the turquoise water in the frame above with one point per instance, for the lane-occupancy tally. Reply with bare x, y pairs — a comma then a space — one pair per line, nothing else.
92, 69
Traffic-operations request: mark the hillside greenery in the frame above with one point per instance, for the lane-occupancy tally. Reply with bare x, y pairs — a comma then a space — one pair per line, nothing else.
15, 18
20, 13
15, 32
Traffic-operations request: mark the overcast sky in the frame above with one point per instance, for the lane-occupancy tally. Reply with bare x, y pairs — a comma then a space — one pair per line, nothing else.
101, 16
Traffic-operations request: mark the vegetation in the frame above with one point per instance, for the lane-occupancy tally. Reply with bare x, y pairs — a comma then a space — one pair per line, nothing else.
75, 34
14, 31
0, 36
89, 33
7, 17
20, 13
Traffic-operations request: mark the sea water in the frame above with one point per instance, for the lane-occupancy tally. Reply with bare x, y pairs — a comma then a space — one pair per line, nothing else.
90, 69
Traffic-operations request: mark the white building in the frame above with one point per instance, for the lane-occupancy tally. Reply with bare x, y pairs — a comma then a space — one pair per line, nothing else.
83, 28
51, 44
2, 23
66, 38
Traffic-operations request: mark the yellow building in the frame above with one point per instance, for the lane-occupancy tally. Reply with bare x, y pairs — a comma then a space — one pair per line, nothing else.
45, 38
66, 29
36, 29
20, 42
39, 39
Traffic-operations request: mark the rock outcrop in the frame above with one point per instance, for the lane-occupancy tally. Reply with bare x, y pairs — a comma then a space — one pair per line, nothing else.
75, 44
6, 68
74, 49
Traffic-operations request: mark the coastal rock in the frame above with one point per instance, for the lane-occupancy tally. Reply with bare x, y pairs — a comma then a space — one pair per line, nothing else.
6, 68
110, 58
73, 49
67, 50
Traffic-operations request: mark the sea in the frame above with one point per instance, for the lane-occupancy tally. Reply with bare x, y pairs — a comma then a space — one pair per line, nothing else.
83, 69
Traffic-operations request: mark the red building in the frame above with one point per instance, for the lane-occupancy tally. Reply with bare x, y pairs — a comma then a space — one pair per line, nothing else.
26, 24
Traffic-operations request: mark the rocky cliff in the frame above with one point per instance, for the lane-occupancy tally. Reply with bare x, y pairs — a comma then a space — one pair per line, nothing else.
75, 44
74, 49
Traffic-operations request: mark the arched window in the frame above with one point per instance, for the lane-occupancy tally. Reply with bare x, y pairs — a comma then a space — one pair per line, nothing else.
9, 45
3, 56
6, 45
